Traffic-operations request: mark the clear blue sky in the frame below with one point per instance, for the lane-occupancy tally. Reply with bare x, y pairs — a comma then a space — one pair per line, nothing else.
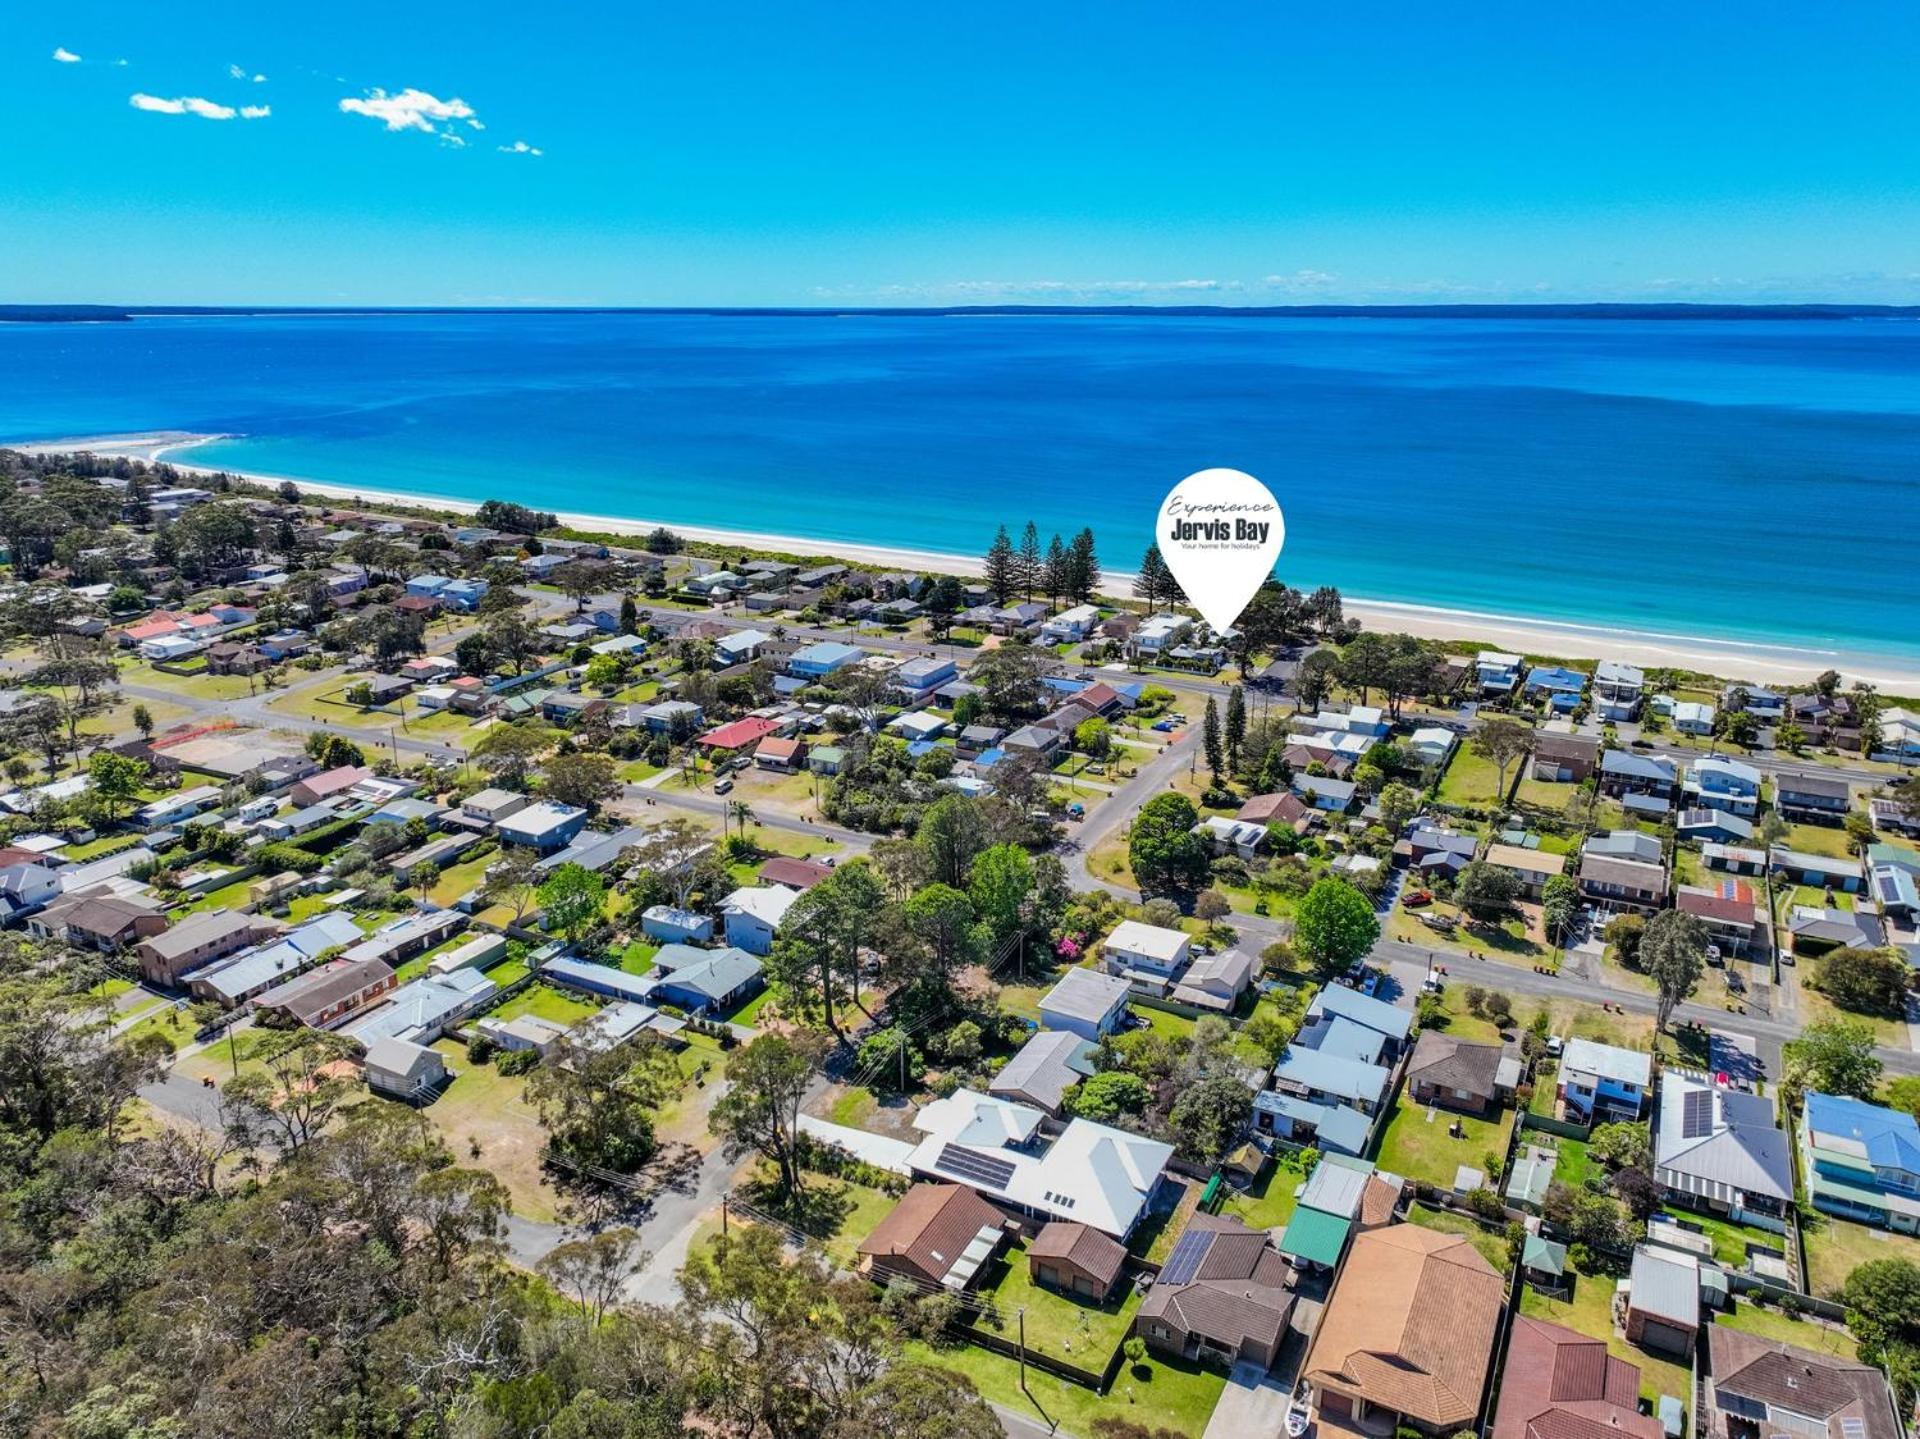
1051, 150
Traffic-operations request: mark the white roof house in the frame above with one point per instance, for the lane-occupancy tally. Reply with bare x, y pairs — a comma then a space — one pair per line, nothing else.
1606, 1061
1134, 945
1093, 1174
1085, 1002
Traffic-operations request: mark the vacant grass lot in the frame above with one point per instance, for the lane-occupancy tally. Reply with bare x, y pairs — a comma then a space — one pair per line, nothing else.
1177, 1397
1418, 1144
1472, 780
1835, 1248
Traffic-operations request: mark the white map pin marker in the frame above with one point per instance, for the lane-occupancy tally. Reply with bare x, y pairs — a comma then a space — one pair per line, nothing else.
1220, 532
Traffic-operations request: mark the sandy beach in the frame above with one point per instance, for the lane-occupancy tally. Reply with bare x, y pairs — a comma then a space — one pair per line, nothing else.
1757, 661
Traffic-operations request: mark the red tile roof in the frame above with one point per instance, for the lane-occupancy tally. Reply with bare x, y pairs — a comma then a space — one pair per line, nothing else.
739, 734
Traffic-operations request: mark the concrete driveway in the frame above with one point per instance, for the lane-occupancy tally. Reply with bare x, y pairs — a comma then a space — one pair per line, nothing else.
1252, 1406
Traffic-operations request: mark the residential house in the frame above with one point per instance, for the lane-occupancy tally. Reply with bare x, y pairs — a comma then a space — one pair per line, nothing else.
1759, 1386
1717, 782
1719, 1150
1663, 1301
1431, 848
753, 915
1691, 717
425, 1009
1603, 1083
1560, 1384
1044, 1069
328, 784
1812, 798
1161, 632
1730, 911
1070, 626
1530, 1177
1618, 689
801, 874
1408, 1334
1287, 810
99, 919
490, 806
1432, 745
1564, 758
1338, 1012
1102, 1177
1818, 871
401, 1069
1621, 883
1899, 739
1532, 867
1560, 687
704, 981
543, 827
1076, 1259
1767, 706
1734, 858
939, 1236
670, 716
323, 997
1223, 1295
1323, 792
1215, 981
1085, 1002
1454, 1073
1861, 1161
1713, 826
824, 658
200, 939
1627, 772
1496, 672
1815, 929
1224, 835
741, 736
738, 647
180, 806
1343, 1196
1148, 952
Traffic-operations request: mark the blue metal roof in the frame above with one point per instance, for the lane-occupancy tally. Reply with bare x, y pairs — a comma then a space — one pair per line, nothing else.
1890, 1137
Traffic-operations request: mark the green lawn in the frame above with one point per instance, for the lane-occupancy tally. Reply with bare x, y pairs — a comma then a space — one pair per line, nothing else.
1575, 1164
508, 971
865, 1208
749, 1013
1269, 1202
1829, 840
227, 896
1417, 1144
1730, 1240
1073, 1330
1472, 780
1590, 1313
545, 1002
637, 957
1160, 1394
485, 1107
455, 880
1492, 1247
1835, 1248
1784, 1328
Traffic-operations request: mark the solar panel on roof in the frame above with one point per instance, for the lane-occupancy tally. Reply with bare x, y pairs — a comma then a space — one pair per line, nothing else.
974, 1166
1853, 1427
1696, 1114
1184, 1263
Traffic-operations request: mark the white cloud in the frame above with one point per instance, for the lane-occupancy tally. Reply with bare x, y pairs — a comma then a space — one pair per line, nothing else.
120, 64
415, 109
239, 72
520, 147
1301, 281
194, 105
65, 56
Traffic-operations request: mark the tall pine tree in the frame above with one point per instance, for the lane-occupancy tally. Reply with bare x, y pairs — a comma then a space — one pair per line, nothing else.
1083, 567
1002, 567
1148, 585
1030, 562
1210, 740
1236, 726
1056, 575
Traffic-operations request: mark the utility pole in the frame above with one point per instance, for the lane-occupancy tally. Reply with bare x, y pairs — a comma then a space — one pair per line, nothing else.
1023, 1351
723, 1214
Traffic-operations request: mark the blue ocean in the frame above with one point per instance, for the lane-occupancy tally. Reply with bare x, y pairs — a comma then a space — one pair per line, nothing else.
1741, 479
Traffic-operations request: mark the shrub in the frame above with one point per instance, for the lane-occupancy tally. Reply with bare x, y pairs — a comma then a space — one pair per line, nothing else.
517, 1061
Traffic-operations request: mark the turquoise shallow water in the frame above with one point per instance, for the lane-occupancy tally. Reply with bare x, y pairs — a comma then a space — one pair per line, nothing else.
1755, 480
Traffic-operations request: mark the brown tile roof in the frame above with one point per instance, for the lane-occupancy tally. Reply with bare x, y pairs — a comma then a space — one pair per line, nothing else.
1411, 1324
793, 873
1731, 904
1566, 746
1818, 1385
318, 991
1560, 1384
930, 1228
1378, 1199
1526, 861
1082, 1247
1453, 1063
1284, 808
1238, 1292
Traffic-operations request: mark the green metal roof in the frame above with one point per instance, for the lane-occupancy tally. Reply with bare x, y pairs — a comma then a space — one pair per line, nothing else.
1315, 1236
1543, 1255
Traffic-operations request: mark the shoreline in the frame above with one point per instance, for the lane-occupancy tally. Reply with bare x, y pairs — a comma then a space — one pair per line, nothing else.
1755, 660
